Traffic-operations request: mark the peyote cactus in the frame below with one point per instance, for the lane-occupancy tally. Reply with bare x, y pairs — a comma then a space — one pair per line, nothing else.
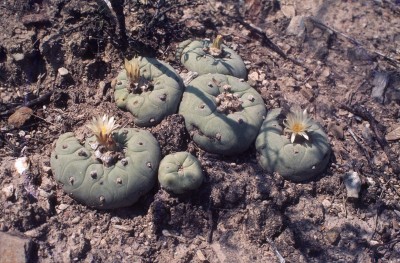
204, 57
104, 178
298, 159
223, 114
180, 173
149, 89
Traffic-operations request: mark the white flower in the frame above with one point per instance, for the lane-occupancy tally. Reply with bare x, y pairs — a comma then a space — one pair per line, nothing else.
102, 128
298, 123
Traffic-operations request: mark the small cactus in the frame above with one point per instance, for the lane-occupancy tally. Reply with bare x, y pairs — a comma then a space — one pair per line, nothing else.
299, 158
203, 56
180, 173
219, 115
149, 89
102, 182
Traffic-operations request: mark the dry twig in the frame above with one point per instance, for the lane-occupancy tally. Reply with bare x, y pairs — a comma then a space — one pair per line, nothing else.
379, 131
366, 153
265, 40
354, 41
31, 103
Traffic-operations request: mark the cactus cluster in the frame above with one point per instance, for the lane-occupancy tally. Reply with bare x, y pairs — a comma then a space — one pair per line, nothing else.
148, 88
102, 182
223, 114
180, 173
204, 56
299, 158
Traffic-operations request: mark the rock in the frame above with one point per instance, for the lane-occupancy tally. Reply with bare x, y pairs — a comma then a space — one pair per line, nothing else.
307, 93
76, 220
124, 228
14, 248
353, 184
367, 134
336, 130
288, 11
201, 256
326, 203
18, 57
8, 192
393, 135
254, 76
380, 82
22, 165
333, 236
20, 116
296, 26
62, 207
63, 71
359, 53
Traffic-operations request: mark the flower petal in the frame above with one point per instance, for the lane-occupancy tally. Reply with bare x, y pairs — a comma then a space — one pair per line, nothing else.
292, 137
305, 135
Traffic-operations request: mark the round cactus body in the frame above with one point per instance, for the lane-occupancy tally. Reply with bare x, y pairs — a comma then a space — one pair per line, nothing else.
293, 161
223, 114
90, 182
180, 173
194, 56
158, 96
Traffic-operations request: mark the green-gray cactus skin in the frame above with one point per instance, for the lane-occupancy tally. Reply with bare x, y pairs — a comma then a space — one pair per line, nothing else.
294, 161
219, 132
88, 181
193, 56
180, 173
150, 107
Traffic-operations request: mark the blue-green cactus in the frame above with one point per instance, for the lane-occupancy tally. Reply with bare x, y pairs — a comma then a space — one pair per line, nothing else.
298, 161
223, 114
91, 182
180, 173
154, 95
204, 57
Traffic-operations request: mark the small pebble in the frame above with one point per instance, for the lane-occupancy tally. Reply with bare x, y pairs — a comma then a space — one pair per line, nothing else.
22, 164
76, 220
288, 10
123, 228
63, 71
254, 76
296, 26
8, 191
333, 236
393, 135
336, 130
200, 255
352, 182
326, 203
18, 57
32, 233
20, 117
62, 207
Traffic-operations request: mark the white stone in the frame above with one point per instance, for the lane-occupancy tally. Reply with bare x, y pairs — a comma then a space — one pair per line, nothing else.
63, 71
296, 26
326, 203
22, 164
353, 184
253, 76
